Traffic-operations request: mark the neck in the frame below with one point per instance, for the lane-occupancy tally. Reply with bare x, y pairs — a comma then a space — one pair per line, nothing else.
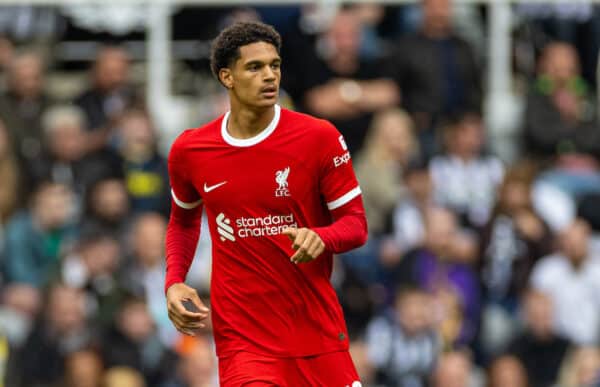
434, 32
344, 64
465, 156
245, 122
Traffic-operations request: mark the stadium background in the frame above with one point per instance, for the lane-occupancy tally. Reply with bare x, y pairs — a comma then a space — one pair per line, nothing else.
473, 128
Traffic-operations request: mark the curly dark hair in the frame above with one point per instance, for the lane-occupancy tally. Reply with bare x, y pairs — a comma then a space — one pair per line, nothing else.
225, 47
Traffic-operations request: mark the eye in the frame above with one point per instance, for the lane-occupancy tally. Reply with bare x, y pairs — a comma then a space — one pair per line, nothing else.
275, 66
253, 67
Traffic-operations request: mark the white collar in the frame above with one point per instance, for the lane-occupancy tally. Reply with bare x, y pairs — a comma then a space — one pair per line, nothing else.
263, 134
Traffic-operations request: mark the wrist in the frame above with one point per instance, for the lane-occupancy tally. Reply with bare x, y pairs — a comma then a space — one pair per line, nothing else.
350, 91
170, 283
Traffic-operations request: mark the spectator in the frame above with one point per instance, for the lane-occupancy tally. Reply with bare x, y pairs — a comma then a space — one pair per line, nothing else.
583, 368
453, 370
440, 77
339, 86
570, 277
407, 219
107, 207
93, 268
439, 266
507, 371
146, 268
21, 304
65, 158
9, 176
513, 240
560, 118
109, 95
62, 330
403, 344
83, 369
144, 168
465, 179
22, 105
132, 342
198, 367
389, 147
540, 349
123, 377
36, 237
511, 243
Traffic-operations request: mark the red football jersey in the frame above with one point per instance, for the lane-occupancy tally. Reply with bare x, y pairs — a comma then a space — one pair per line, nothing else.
291, 174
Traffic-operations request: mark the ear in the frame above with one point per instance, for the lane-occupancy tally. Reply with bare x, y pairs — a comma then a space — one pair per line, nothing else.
226, 77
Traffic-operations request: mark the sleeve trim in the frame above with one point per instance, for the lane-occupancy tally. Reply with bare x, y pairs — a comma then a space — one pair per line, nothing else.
184, 205
344, 198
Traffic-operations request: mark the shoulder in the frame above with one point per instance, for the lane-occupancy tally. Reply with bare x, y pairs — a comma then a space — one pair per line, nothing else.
309, 122
315, 131
550, 266
193, 137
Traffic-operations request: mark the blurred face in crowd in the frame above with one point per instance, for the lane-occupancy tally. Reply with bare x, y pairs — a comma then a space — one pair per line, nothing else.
109, 200
440, 230
412, 308
453, 370
67, 140
111, 69
149, 239
53, 206
101, 256
135, 321
123, 377
436, 16
65, 310
344, 35
26, 76
466, 138
22, 298
253, 79
419, 183
560, 62
539, 314
137, 135
507, 371
574, 241
197, 367
83, 369
514, 196
395, 136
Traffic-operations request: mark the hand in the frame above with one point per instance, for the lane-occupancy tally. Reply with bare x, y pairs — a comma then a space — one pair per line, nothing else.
184, 320
306, 242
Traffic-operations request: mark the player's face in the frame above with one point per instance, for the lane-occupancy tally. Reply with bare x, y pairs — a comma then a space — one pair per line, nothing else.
255, 76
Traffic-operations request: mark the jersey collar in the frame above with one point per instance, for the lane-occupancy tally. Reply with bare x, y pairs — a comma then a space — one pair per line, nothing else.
252, 140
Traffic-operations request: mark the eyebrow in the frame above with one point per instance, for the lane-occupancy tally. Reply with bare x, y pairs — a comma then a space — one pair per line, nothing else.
260, 62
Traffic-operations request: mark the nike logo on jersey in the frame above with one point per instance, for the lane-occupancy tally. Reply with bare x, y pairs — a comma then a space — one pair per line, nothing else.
207, 188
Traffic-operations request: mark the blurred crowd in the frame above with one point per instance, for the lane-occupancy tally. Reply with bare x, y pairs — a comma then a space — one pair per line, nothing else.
479, 270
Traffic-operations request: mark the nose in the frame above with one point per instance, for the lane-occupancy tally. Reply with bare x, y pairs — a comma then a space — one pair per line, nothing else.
269, 74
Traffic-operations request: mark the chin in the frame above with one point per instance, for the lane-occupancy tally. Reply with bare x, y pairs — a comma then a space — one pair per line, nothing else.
264, 103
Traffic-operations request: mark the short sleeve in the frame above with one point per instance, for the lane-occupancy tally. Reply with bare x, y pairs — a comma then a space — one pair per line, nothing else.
338, 182
182, 190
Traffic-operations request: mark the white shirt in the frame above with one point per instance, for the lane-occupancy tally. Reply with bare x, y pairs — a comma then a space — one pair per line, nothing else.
468, 187
575, 294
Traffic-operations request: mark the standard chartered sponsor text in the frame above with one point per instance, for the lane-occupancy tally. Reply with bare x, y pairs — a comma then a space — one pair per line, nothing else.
261, 226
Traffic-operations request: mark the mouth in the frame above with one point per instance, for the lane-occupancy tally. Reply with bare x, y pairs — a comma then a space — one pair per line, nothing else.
269, 91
